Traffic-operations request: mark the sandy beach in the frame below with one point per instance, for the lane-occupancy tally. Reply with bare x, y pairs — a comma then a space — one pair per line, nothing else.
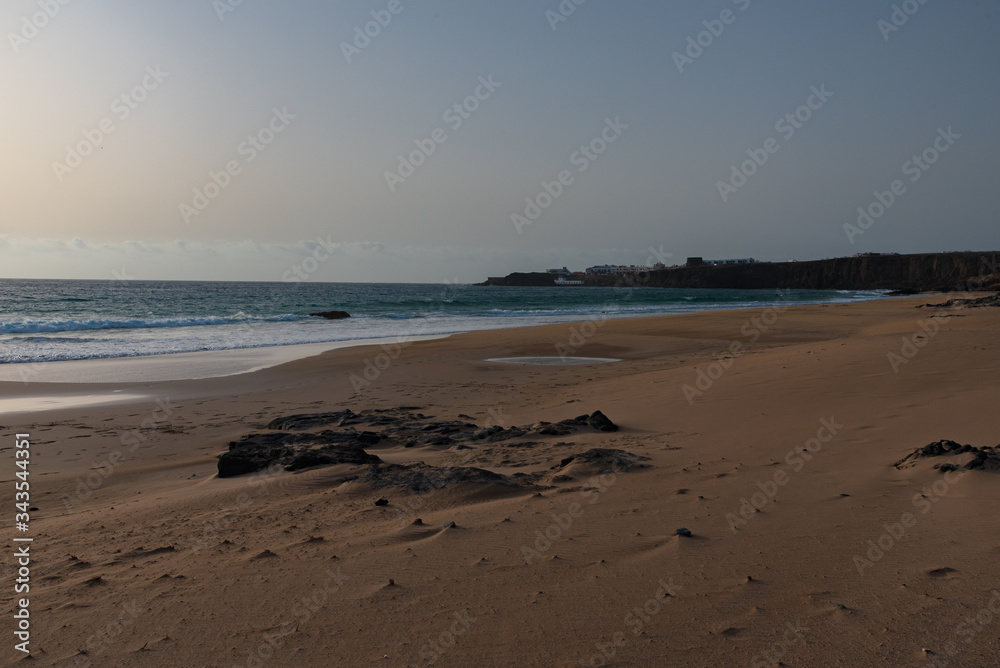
770, 435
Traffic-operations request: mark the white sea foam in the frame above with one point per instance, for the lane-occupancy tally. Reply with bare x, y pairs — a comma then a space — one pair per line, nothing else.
47, 321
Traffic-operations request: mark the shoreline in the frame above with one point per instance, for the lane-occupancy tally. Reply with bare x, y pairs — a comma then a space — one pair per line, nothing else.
205, 364
200, 365
804, 425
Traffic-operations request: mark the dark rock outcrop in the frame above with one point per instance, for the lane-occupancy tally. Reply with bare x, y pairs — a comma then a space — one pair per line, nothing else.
332, 315
597, 420
421, 477
312, 420
530, 279
256, 452
600, 422
293, 448
250, 458
330, 454
611, 459
982, 302
985, 458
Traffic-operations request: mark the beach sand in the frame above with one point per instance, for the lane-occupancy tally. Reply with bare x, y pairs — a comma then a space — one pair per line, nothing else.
158, 562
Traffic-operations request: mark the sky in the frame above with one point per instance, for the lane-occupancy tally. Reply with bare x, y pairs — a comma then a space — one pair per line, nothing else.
451, 140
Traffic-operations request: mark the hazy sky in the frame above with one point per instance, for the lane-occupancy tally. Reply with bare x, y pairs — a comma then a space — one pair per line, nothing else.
308, 114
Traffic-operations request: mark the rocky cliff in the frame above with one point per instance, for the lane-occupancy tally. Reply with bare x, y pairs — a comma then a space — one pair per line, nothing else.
924, 272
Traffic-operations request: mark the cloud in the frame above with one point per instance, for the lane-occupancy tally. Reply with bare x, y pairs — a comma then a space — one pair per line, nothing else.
320, 259
222, 247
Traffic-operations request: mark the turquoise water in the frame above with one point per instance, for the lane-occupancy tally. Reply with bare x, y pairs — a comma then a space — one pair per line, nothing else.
68, 320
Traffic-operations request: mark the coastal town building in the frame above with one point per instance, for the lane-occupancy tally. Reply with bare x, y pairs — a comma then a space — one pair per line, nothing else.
697, 262
618, 269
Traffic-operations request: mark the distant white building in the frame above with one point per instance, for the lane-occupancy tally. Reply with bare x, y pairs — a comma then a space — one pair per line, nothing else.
618, 269
742, 260
560, 272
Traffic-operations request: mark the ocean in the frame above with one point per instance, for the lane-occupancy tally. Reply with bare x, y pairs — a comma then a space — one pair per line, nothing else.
53, 320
